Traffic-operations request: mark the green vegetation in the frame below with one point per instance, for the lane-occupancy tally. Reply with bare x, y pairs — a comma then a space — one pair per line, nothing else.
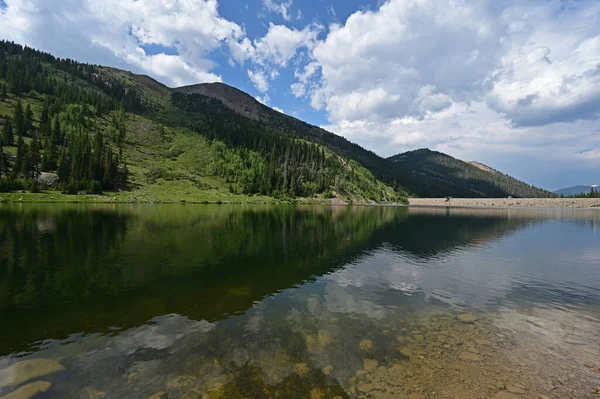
107, 134
88, 130
434, 174
592, 194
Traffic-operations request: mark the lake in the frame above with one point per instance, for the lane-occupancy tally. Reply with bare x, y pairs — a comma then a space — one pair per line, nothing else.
240, 301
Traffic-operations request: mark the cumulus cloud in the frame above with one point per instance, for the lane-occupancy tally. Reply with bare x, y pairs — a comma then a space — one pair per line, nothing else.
481, 80
281, 44
259, 80
118, 31
537, 89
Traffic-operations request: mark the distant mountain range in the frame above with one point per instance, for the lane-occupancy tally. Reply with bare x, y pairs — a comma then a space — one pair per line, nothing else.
575, 190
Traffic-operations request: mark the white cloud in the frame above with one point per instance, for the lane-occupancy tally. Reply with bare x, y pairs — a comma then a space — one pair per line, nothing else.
536, 88
479, 79
263, 99
91, 30
281, 44
279, 110
299, 88
259, 80
280, 7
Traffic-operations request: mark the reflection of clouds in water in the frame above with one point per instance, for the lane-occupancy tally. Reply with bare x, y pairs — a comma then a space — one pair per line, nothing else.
339, 300
500, 270
353, 289
253, 323
160, 333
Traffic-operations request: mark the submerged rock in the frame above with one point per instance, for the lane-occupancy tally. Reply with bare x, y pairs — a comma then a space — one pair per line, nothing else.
95, 393
323, 338
157, 395
29, 390
316, 393
300, 368
406, 351
516, 388
370, 365
467, 318
365, 387
327, 369
366, 345
26, 370
217, 393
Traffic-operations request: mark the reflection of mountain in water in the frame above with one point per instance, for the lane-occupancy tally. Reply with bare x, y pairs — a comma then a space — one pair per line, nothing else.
66, 269
434, 232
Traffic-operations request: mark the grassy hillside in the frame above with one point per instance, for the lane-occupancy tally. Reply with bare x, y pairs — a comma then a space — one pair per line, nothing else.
129, 137
434, 174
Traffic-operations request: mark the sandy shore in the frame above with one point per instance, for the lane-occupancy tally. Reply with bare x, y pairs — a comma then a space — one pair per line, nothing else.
510, 202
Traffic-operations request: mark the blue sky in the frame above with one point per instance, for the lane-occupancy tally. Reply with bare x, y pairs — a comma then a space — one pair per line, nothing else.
513, 84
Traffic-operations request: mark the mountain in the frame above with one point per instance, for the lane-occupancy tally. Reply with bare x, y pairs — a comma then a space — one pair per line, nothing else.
102, 129
434, 174
246, 106
576, 190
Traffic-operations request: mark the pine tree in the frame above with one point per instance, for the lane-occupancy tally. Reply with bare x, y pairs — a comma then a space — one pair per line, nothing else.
64, 167
56, 133
2, 158
7, 133
28, 119
44, 117
31, 160
4, 93
50, 155
20, 157
19, 119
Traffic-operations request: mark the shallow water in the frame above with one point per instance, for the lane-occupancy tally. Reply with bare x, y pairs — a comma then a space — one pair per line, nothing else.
281, 301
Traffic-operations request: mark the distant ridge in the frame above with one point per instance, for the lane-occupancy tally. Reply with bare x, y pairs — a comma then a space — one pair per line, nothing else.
575, 190
429, 173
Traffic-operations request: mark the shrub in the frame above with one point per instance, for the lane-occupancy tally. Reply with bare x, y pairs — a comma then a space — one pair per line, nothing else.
327, 193
33, 186
156, 172
7, 185
93, 187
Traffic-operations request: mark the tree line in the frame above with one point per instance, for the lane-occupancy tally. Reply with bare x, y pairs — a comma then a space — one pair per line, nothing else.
65, 137
594, 193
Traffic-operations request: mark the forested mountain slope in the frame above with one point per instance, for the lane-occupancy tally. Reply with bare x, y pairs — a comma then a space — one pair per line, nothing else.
101, 128
434, 174
104, 129
422, 173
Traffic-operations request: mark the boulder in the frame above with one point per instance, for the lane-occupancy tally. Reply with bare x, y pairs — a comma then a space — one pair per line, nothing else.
48, 179
29, 390
26, 370
467, 318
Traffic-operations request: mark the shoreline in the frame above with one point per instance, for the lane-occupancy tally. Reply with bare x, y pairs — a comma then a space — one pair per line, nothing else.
582, 203
213, 198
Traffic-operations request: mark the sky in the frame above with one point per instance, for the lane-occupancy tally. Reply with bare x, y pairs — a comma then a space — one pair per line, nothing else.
513, 84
